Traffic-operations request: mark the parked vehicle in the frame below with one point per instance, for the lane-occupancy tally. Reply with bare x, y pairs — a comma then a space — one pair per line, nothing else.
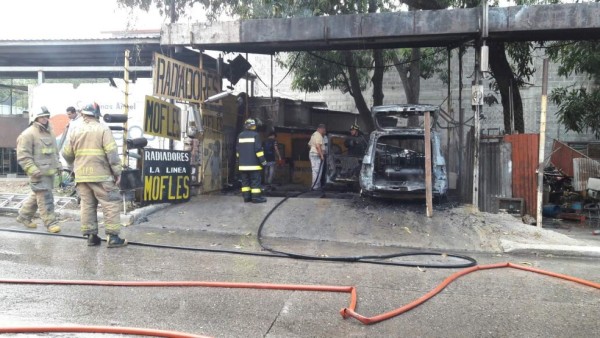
394, 162
394, 165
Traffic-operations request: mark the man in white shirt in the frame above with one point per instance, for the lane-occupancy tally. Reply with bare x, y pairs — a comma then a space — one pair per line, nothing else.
317, 156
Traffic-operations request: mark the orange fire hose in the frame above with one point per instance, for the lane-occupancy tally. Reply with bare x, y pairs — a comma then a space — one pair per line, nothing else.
346, 312
99, 329
349, 312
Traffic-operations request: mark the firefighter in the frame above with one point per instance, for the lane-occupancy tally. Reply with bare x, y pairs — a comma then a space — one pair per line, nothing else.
37, 154
356, 142
251, 160
92, 150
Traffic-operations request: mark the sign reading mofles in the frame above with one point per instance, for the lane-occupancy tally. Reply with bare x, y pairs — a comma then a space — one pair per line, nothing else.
162, 118
178, 80
166, 176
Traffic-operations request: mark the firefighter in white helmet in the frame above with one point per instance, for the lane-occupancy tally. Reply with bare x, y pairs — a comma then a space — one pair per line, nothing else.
92, 151
37, 154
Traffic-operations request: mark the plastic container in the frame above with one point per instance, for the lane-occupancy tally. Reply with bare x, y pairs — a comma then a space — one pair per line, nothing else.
577, 206
550, 210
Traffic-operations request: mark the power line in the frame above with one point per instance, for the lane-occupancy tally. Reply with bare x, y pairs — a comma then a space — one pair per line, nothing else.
439, 50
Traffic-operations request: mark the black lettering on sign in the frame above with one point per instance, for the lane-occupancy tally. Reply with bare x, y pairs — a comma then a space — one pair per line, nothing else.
181, 81
162, 118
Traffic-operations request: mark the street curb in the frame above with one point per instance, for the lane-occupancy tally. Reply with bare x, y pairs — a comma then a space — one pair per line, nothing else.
550, 249
126, 219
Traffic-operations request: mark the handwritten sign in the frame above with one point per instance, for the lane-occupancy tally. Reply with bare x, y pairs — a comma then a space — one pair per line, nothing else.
177, 80
162, 118
166, 176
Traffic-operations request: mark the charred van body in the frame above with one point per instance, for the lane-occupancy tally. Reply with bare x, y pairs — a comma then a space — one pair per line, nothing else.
394, 163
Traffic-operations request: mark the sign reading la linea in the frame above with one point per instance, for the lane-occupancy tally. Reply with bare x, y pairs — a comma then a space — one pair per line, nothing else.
166, 176
177, 80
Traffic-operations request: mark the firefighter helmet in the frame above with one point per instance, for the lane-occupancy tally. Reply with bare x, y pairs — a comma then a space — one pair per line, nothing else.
354, 127
91, 109
250, 124
39, 112
42, 112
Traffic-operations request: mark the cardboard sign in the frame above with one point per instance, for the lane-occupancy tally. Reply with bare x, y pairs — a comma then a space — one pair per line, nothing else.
178, 80
162, 118
166, 176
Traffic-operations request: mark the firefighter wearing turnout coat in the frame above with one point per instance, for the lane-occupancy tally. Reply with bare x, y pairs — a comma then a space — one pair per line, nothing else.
251, 159
92, 151
37, 154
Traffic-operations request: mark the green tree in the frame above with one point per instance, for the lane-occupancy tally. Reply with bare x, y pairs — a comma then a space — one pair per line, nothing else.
348, 71
578, 105
511, 64
351, 71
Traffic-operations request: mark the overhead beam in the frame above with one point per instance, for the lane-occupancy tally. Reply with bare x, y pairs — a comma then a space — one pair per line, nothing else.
389, 30
94, 69
80, 42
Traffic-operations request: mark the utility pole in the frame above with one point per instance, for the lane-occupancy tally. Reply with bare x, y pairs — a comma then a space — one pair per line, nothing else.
461, 128
126, 108
172, 15
477, 96
540, 182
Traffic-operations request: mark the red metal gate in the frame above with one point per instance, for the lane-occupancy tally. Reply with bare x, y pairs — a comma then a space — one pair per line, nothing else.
525, 149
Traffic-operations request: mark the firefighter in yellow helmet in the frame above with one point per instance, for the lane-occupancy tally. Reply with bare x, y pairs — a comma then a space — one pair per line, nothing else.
251, 159
37, 154
92, 151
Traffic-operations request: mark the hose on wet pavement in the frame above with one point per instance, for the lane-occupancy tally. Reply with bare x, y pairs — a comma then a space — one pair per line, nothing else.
98, 329
464, 261
272, 254
371, 259
348, 312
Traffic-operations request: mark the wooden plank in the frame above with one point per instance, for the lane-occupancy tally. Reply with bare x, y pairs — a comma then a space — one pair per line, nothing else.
428, 180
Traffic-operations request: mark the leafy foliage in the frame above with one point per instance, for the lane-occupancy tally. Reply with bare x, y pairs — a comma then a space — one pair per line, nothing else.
582, 57
315, 71
261, 9
578, 108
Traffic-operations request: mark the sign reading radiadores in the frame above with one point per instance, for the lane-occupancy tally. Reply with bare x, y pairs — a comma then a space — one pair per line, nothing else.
166, 176
177, 80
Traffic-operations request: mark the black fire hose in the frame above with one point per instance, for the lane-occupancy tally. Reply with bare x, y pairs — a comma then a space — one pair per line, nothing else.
368, 259
371, 259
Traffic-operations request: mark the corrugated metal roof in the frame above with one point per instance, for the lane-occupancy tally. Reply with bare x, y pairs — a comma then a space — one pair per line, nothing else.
563, 156
67, 58
109, 35
583, 169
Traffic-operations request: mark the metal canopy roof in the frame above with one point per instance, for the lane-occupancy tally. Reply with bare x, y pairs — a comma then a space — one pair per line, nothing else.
87, 58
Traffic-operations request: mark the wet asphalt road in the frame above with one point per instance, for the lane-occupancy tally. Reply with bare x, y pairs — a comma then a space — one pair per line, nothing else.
496, 303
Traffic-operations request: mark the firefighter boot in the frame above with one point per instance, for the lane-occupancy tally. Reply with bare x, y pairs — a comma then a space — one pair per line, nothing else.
258, 198
247, 197
53, 227
114, 241
93, 240
26, 222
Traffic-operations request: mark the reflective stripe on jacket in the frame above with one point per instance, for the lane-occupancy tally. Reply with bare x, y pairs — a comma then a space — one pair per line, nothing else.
92, 151
249, 151
37, 150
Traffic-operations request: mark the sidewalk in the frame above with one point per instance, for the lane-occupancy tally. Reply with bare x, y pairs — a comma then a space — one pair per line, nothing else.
352, 220
348, 221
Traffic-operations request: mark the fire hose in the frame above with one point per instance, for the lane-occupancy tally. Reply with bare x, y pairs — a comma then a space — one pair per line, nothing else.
348, 312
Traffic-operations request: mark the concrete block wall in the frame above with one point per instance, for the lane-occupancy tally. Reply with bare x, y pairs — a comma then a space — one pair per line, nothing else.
433, 91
